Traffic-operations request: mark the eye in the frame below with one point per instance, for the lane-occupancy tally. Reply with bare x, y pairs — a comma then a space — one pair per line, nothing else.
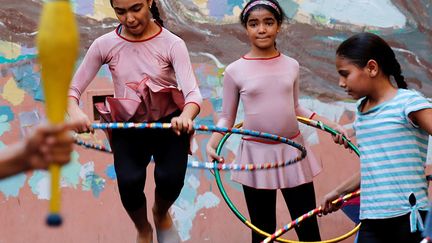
137, 9
120, 12
270, 23
343, 73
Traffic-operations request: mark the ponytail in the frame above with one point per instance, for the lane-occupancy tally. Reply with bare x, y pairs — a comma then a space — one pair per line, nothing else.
361, 48
397, 74
156, 15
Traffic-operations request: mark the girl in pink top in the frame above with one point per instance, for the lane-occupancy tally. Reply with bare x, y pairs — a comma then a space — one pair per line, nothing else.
153, 82
267, 82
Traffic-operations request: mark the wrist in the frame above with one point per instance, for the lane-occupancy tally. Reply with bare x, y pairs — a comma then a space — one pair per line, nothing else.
23, 156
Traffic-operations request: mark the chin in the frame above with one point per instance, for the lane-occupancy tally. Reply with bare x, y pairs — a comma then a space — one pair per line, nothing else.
264, 47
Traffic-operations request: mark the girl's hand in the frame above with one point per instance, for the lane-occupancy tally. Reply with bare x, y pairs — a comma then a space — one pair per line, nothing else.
81, 121
48, 144
181, 125
339, 137
211, 154
327, 206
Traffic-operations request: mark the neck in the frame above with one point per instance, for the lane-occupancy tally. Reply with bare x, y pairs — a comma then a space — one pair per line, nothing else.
262, 53
383, 90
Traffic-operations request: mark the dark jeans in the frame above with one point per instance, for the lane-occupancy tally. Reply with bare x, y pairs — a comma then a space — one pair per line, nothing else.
389, 230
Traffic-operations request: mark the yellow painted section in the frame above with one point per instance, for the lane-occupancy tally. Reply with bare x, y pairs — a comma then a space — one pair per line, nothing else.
12, 93
9, 50
103, 9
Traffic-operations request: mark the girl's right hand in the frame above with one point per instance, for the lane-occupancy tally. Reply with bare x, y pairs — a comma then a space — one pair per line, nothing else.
211, 154
80, 119
327, 206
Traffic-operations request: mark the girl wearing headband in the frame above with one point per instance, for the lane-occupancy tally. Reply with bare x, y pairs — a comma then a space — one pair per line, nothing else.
153, 82
267, 83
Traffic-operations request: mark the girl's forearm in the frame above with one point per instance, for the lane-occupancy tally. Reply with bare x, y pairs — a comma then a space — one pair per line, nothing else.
190, 110
13, 160
350, 185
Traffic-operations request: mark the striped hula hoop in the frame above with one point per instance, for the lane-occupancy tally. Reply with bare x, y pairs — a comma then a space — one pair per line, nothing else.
208, 165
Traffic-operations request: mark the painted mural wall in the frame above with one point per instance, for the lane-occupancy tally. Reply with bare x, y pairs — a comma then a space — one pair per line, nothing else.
91, 205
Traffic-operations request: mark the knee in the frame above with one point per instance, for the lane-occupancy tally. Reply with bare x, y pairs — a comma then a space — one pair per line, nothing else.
132, 193
169, 190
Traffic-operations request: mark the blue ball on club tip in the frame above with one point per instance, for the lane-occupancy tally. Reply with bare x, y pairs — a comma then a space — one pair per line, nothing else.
54, 220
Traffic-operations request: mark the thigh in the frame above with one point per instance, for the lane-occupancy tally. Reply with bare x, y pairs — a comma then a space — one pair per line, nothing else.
261, 204
300, 199
171, 155
131, 153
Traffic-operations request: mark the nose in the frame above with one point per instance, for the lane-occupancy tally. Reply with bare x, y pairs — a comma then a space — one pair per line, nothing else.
342, 83
261, 28
130, 17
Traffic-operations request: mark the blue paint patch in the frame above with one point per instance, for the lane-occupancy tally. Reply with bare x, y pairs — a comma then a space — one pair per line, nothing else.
105, 72
28, 51
4, 60
4, 126
84, 7
11, 186
231, 183
6, 113
28, 80
110, 172
290, 8
207, 121
39, 183
217, 8
217, 104
93, 182
71, 172
234, 3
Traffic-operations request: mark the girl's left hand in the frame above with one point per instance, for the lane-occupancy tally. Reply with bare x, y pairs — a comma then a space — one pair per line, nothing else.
182, 124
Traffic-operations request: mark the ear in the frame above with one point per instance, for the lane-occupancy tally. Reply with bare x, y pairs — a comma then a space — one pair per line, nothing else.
150, 3
372, 68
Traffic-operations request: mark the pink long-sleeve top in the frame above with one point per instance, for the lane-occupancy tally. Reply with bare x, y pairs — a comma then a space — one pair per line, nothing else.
269, 91
155, 74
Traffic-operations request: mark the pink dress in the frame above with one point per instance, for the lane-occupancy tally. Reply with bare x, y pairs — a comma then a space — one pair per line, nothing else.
268, 89
152, 78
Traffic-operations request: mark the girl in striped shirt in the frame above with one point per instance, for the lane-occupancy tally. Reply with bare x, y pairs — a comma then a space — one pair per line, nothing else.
392, 128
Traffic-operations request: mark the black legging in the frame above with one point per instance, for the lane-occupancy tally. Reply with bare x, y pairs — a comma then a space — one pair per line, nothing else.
261, 204
133, 149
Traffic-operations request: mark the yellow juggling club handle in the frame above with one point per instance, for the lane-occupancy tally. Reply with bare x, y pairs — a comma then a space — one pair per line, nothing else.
57, 43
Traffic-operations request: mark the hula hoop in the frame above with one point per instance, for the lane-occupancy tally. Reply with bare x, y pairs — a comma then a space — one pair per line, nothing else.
208, 165
92, 145
242, 218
